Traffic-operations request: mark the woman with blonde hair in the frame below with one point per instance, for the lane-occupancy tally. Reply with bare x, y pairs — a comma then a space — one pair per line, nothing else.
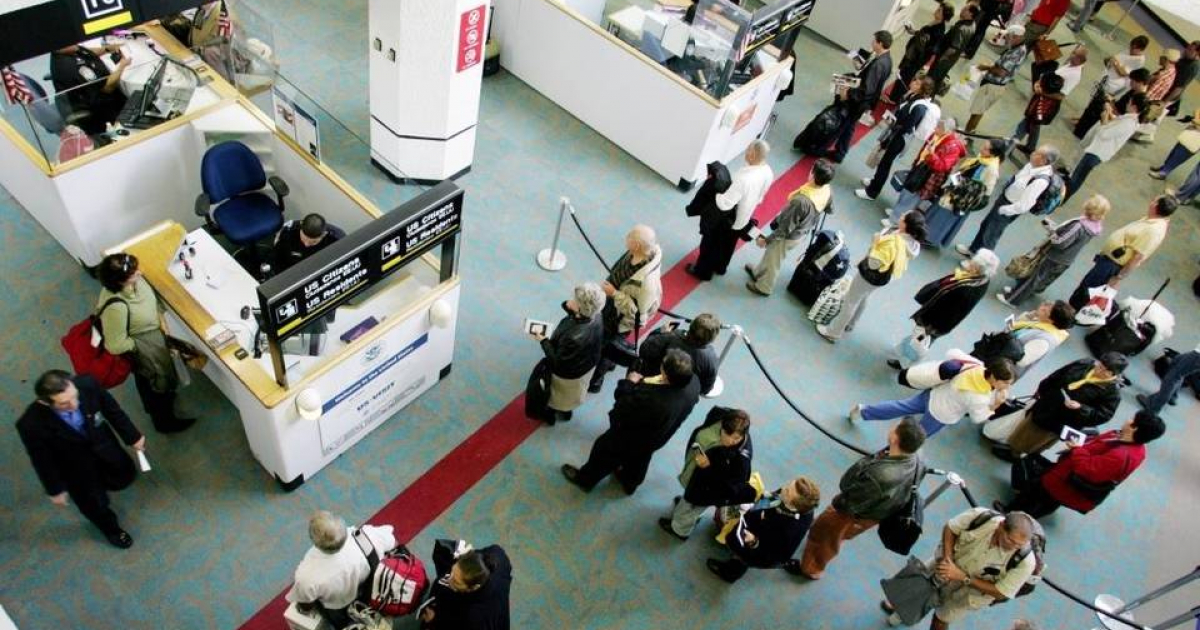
1059, 250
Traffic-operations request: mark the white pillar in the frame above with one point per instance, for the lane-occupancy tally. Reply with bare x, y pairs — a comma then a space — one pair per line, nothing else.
426, 64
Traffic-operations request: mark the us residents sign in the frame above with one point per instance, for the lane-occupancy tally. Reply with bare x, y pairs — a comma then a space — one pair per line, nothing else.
772, 21
332, 276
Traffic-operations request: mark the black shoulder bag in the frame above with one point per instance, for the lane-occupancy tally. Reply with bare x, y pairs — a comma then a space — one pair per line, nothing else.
902, 528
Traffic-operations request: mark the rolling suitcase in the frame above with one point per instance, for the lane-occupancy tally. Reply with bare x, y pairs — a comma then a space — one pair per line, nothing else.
1124, 332
818, 135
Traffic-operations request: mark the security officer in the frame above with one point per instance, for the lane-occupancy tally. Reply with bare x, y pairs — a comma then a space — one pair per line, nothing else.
298, 240
80, 68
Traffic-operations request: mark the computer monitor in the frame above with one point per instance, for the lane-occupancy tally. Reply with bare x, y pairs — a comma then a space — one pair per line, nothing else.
146, 108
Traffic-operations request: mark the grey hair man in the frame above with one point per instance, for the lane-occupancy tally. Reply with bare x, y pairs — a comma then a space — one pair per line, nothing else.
1020, 196
696, 342
719, 235
984, 557
634, 290
328, 577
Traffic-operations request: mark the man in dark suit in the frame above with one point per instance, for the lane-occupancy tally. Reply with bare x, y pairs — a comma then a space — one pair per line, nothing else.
647, 413
68, 433
859, 100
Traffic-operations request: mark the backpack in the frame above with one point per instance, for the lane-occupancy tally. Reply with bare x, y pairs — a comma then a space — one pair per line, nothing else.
84, 344
969, 195
1036, 546
396, 582
998, 345
1052, 197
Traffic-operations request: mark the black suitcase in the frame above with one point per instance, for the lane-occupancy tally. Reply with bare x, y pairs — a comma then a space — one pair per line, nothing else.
1124, 332
819, 134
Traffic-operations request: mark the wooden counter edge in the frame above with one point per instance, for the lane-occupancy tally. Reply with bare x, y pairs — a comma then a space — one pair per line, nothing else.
155, 249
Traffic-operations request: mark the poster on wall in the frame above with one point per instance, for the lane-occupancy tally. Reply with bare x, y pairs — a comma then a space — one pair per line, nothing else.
284, 113
294, 122
470, 37
306, 133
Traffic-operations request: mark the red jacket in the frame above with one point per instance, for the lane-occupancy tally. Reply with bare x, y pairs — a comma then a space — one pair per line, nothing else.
1049, 11
1102, 458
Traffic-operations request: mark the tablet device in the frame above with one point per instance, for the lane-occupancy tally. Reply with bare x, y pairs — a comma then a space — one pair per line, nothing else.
536, 327
1072, 436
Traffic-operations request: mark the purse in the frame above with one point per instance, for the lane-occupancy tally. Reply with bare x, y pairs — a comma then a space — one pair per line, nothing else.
874, 277
1027, 471
1021, 267
917, 177
1046, 50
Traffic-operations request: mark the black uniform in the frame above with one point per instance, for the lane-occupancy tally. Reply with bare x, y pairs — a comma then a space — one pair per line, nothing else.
485, 608
87, 465
654, 350
643, 419
84, 68
289, 250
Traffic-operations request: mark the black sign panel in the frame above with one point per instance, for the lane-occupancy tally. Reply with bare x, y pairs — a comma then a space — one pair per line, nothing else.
53, 24
338, 272
774, 21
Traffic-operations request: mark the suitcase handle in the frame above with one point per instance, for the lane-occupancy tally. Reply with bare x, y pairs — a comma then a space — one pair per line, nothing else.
1155, 297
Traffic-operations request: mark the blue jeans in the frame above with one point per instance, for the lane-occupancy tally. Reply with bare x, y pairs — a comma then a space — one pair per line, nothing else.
892, 409
1182, 367
1178, 155
907, 202
1085, 13
1101, 272
1190, 188
993, 227
1084, 168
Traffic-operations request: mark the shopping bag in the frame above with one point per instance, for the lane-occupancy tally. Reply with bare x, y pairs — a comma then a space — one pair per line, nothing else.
829, 302
1099, 305
874, 157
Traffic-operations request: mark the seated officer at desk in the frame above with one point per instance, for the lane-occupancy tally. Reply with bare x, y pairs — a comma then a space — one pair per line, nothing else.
298, 240
76, 66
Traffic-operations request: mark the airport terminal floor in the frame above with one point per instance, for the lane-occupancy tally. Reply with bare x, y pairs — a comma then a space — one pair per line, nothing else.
217, 540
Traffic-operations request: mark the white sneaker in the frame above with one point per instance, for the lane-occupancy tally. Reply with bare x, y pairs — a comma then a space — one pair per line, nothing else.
824, 331
894, 620
861, 193
855, 414
887, 223
1004, 300
963, 250
888, 212
866, 181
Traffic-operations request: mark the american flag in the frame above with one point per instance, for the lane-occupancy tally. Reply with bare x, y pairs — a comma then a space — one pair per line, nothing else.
224, 24
15, 88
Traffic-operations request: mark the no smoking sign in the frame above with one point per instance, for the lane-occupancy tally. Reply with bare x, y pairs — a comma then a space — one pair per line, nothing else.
470, 38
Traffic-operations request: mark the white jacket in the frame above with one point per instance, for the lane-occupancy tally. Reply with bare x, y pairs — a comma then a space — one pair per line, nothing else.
948, 404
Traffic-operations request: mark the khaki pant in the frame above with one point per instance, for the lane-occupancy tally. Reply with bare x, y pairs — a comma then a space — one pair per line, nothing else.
767, 271
825, 539
1028, 438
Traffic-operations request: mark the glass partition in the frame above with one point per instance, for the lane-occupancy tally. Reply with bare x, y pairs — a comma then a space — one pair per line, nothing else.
65, 125
299, 116
245, 54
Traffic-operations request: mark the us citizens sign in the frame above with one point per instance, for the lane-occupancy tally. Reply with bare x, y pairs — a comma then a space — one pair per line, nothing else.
317, 284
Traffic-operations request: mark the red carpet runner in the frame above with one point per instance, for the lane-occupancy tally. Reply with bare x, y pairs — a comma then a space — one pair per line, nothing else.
433, 492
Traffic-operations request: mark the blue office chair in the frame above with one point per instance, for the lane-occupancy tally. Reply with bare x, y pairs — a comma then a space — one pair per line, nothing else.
232, 176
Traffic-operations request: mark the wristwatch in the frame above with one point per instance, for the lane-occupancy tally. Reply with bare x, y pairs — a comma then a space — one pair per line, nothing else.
966, 581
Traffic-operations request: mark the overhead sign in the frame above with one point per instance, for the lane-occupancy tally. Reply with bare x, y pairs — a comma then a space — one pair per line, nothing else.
312, 287
773, 21
470, 37
35, 28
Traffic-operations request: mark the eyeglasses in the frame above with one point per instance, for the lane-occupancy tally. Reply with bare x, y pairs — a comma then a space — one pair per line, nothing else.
127, 264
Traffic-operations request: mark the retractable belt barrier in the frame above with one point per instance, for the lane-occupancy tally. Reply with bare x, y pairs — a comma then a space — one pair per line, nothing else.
1111, 618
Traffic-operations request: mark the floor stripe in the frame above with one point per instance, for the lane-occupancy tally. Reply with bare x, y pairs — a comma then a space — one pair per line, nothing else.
451, 477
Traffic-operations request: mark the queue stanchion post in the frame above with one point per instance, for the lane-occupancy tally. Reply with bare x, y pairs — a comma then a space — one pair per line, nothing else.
554, 259
1117, 607
735, 332
952, 479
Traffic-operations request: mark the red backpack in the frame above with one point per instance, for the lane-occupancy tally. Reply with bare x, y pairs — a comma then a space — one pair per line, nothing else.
84, 344
397, 581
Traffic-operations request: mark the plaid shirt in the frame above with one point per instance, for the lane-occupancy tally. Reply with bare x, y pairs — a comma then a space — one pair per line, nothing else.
1160, 83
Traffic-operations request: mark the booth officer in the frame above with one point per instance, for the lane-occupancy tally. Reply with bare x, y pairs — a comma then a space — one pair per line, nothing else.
80, 67
298, 240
